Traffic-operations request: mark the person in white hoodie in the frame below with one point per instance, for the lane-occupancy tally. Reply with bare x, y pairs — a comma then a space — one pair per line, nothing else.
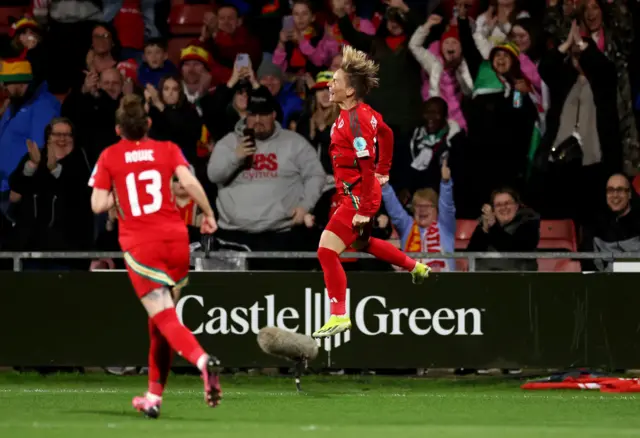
269, 180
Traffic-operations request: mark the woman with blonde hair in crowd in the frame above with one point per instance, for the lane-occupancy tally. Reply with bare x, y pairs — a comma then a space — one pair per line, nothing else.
432, 228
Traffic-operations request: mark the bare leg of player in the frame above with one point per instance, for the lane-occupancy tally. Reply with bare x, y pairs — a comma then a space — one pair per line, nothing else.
159, 305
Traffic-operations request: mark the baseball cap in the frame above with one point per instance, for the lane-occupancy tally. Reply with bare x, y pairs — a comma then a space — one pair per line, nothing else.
261, 102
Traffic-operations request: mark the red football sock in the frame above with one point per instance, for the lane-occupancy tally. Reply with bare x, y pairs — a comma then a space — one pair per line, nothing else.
178, 336
335, 279
160, 358
383, 250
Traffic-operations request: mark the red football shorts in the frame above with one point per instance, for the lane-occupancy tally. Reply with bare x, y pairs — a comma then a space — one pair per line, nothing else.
155, 264
341, 223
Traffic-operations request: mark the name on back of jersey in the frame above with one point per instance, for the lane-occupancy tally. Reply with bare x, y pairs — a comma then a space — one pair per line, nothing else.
139, 156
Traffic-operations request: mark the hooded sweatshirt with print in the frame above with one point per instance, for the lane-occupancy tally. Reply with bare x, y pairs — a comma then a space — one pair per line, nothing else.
286, 174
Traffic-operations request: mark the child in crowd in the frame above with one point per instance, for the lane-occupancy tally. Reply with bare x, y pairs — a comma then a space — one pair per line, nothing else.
156, 63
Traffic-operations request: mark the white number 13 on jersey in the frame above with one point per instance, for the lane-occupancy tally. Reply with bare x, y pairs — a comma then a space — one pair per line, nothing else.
153, 188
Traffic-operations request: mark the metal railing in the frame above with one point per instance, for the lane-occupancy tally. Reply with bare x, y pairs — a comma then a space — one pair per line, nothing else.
472, 257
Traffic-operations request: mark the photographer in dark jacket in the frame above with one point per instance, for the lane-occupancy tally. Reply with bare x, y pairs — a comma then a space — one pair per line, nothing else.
50, 199
506, 226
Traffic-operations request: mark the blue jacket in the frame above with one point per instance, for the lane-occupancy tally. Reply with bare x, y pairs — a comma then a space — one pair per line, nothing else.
28, 123
290, 103
446, 218
147, 75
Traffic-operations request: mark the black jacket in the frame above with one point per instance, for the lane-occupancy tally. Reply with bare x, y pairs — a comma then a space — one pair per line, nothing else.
178, 124
522, 234
560, 76
94, 119
53, 214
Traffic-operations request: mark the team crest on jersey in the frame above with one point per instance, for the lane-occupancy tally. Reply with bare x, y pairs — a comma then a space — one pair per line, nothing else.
360, 145
374, 122
340, 124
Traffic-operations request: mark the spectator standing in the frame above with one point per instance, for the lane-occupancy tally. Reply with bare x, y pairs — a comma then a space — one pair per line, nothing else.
506, 226
269, 180
271, 76
435, 139
92, 109
448, 72
50, 197
617, 229
501, 119
196, 68
610, 26
222, 109
173, 118
225, 37
134, 20
582, 126
494, 25
303, 46
432, 228
398, 100
315, 124
29, 111
27, 41
104, 51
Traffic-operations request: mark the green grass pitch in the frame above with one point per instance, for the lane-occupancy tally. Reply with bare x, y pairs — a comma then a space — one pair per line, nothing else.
97, 406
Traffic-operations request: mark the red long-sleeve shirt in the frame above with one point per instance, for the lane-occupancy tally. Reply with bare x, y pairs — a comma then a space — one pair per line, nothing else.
353, 153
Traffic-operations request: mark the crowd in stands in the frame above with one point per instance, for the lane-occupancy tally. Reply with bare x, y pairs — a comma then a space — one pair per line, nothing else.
508, 116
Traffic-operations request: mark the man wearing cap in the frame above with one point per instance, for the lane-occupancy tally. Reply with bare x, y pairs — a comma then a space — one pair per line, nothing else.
30, 110
269, 180
270, 75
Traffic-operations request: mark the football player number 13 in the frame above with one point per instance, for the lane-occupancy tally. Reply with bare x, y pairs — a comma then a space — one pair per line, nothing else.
152, 182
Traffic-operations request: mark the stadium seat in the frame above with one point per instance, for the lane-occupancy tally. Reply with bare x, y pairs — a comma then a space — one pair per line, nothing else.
464, 231
9, 12
175, 46
636, 183
558, 234
558, 265
187, 19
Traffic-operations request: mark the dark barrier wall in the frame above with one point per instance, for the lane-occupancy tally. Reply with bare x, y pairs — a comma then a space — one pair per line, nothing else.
471, 320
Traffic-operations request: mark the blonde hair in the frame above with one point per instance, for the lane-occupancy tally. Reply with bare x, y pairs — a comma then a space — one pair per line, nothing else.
361, 70
425, 195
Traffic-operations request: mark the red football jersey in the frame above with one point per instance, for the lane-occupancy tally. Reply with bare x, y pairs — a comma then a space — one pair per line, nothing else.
353, 152
139, 174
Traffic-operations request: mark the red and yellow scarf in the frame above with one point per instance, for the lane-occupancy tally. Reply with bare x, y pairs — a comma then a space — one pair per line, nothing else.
431, 243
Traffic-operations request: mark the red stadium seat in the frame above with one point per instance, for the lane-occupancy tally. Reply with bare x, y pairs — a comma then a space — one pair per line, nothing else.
558, 234
558, 265
187, 19
9, 12
464, 231
175, 46
636, 183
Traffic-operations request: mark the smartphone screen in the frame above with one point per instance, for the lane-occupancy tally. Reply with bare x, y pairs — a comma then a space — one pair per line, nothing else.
242, 60
287, 22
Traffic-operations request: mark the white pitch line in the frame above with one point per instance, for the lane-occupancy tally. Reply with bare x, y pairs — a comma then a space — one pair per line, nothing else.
471, 395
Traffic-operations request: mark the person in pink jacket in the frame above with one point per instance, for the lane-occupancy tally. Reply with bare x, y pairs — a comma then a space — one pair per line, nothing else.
303, 47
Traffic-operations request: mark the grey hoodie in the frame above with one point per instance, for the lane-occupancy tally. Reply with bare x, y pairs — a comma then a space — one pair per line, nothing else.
286, 174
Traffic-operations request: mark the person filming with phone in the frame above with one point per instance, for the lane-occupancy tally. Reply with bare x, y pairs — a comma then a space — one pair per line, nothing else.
269, 180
